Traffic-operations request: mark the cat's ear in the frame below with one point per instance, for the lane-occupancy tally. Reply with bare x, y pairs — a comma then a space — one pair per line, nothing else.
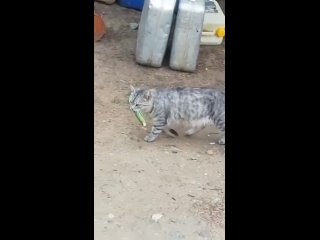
147, 95
132, 88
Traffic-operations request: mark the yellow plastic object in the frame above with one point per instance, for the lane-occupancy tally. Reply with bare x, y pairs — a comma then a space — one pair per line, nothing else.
220, 32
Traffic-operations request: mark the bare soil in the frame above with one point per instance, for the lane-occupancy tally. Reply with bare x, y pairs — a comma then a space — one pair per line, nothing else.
180, 178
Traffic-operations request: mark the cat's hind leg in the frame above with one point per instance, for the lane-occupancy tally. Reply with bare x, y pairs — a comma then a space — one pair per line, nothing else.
220, 124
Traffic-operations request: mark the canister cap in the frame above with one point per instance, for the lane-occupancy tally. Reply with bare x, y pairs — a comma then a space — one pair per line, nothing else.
220, 32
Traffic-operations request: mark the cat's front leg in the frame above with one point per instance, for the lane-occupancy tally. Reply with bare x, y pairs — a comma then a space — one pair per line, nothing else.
157, 128
155, 132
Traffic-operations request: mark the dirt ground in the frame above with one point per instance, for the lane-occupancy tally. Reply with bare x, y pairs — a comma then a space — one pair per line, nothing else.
180, 180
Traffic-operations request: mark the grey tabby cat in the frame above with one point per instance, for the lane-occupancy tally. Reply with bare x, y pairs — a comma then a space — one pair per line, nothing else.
169, 107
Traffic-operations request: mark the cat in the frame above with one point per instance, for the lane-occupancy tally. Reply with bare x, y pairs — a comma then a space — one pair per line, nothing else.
192, 107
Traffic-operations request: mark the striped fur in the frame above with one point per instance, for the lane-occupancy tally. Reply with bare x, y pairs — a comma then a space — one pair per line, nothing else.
191, 107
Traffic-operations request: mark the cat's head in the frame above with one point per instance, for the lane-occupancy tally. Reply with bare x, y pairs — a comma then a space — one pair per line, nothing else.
141, 99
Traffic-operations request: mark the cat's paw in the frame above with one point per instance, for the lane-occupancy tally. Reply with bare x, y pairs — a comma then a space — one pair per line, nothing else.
222, 141
189, 132
150, 138
192, 131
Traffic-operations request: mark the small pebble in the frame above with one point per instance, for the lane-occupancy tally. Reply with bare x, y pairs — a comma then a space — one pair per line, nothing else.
156, 217
210, 152
212, 143
134, 26
110, 215
193, 158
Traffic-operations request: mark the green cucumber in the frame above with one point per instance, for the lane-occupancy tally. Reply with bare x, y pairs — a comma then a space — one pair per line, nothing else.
140, 118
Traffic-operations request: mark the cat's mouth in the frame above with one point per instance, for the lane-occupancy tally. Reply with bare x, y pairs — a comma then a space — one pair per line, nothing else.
134, 108
138, 107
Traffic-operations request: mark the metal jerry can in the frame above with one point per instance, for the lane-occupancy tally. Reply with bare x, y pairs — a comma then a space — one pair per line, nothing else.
153, 33
187, 35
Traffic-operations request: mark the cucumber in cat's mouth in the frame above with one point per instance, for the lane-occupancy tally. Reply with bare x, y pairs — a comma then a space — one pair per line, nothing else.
140, 118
